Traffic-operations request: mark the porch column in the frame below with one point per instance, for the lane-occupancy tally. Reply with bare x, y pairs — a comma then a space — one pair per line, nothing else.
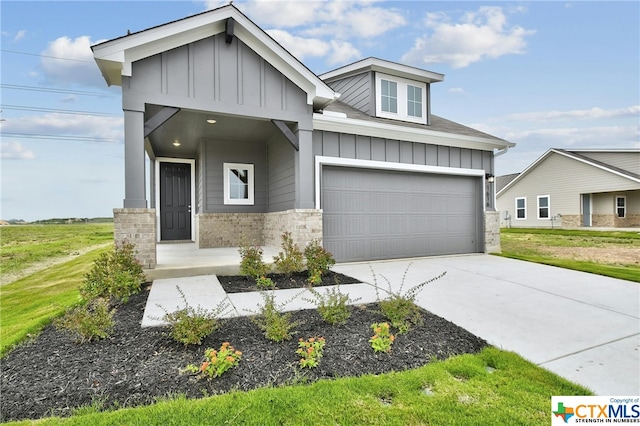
304, 186
134, 167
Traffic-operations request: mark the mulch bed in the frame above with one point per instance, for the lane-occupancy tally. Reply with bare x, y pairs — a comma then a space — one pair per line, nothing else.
242, 284
52, 375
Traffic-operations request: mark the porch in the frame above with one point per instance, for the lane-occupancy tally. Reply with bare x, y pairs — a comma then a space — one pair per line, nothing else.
178, 260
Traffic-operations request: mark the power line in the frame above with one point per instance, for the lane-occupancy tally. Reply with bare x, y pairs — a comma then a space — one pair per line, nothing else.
58, 137
44, 56
60, 111
53, 90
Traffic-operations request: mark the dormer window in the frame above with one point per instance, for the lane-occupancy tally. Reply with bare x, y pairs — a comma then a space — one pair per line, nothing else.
401, 99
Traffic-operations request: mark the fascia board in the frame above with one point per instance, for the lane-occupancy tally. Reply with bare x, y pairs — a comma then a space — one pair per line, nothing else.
411, 134
379, 65
598, 166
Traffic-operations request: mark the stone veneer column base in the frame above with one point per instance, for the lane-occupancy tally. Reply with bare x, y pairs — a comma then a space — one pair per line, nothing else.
492, 232
137, 226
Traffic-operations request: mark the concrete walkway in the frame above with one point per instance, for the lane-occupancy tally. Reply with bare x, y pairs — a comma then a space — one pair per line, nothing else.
581, 326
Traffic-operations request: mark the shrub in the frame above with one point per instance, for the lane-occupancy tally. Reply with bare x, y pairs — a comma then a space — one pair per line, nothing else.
215, 362
319, 261
265, 283
400, 308
115, 274
251, 264
332, 305
277, 326
290, 259
310, 351
90, 321
382, 338
190, 325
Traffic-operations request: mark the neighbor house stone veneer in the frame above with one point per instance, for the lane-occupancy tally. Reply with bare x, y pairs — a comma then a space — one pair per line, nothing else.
137, 226
492, 232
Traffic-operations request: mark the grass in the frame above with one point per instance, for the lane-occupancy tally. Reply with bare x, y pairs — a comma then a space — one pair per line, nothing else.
27, 305
462, 391
534, 245
25, 245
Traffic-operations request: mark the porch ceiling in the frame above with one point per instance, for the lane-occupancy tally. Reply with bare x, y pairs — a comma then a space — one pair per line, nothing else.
189, 127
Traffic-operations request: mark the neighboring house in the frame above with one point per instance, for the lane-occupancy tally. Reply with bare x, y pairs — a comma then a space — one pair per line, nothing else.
576, 188
244, 142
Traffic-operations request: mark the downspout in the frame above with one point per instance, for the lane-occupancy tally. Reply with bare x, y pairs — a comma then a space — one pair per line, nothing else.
500, 152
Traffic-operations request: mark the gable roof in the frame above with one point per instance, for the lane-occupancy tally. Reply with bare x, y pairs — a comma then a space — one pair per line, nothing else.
574, 155
387, 67
115, 57
502, 181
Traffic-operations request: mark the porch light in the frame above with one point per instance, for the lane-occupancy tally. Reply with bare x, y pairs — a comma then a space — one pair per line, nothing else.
211, 121
490, 178
176, 143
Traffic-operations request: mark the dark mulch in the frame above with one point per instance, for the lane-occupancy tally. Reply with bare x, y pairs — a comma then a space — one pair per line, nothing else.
242, 284
51, 374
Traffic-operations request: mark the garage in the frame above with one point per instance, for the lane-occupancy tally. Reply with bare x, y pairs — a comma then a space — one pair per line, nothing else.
371, 214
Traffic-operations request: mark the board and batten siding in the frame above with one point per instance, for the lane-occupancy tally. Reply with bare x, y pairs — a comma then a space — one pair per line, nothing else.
563, 179
211, 75
215, 154
280, 174
357, 91
332, 144
629, 161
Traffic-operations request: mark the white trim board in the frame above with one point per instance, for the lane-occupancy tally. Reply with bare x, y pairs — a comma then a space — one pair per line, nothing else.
159, 160
321, 160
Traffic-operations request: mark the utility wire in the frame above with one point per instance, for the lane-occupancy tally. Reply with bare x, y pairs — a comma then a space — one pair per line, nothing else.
53, 90
60, 111
57, 137
44, 56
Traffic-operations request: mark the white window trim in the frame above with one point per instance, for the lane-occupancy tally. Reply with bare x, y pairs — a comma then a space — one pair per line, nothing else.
525, 208
402, 113
157, 162
624, 207
548, 207
225, 173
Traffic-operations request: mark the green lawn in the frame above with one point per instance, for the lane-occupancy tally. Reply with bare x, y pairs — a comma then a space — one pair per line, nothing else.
24, 245
560, 247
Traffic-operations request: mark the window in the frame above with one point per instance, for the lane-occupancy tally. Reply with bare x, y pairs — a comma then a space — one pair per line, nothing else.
414, 101
543, 207
401, 99
238, 183
621, 206
389, 96
521, 208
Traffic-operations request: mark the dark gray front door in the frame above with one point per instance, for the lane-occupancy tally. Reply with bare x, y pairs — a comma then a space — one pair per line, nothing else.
374, 214
586, 209
175, 201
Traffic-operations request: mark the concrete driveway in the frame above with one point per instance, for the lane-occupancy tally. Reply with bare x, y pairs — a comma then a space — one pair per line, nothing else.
581, 326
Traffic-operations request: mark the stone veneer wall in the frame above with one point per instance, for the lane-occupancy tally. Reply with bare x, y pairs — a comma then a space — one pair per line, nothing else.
571, 220
137, 226
304, 225
492, 232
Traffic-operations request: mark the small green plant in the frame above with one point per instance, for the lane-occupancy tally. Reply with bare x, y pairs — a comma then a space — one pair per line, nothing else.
400, 308
90, 321
277, 326
319, 261
310, 351
265, 283
190, 325
216, 363
332, 305
382, 338
251, 263
290, 259
116, 274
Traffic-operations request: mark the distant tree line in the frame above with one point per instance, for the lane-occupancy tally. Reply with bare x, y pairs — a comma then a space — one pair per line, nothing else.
61, 221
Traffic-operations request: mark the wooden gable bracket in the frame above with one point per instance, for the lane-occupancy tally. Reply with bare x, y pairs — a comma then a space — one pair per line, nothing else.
228, 31
159, 119
293, 139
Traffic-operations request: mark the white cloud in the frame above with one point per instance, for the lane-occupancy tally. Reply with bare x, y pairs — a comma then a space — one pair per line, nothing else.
20, 35
12, 150
457, 90
75, 66
342, 51
478, 35
302, 47
575, 137
56, 124
583, 114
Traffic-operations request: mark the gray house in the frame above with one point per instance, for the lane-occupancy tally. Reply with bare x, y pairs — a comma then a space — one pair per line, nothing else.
577, 188
245, 142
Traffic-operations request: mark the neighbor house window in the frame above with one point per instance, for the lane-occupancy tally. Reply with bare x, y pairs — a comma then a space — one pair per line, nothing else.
521, 208
543, 207
414, 101
621, 206
238, 183
389, 96
401, 99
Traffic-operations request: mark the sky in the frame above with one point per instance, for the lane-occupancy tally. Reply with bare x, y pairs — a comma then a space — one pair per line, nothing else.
557, 74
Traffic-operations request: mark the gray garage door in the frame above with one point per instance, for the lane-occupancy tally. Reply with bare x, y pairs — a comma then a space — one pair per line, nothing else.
374, 214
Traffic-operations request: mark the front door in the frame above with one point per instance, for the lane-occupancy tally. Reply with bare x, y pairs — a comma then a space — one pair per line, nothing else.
175, 201
586, 210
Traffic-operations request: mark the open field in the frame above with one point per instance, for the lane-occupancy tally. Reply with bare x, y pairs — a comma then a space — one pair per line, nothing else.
612, 253
26, 249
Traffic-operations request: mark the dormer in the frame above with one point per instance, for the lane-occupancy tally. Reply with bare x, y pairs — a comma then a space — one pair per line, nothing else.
385, 89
